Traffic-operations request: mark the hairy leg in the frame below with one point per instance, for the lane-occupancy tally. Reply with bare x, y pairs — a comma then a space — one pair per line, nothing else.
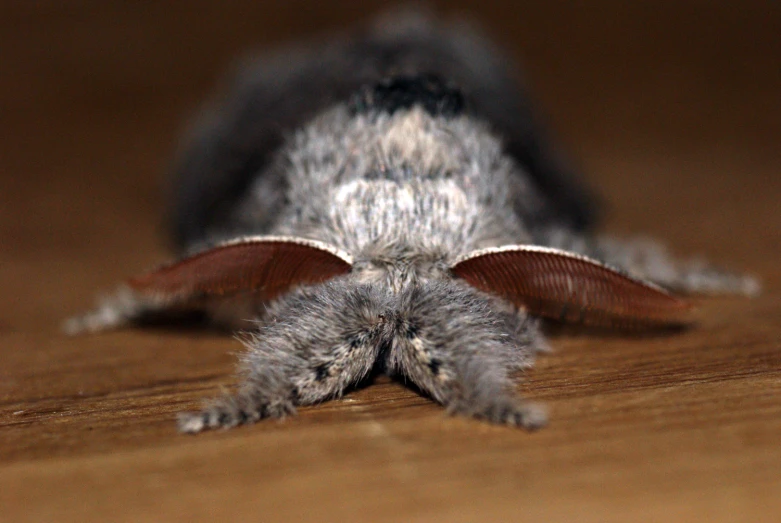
450, 343
648, 259
313, 344
125, 307
117, 310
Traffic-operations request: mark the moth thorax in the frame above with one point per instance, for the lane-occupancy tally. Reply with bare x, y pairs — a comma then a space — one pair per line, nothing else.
419, 212
398, 274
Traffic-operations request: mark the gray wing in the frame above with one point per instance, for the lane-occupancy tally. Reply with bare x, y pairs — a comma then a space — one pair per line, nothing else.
274, 94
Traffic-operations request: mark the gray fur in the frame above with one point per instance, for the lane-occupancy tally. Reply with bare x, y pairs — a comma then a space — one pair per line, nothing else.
405, 194
443, 336
377, 183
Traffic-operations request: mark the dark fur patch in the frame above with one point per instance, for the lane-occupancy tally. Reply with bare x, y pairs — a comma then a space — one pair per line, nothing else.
403, 92
321, 372
356, 341
434, 366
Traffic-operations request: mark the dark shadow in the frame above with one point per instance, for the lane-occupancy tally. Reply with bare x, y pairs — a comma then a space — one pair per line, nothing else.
553, 328
180, 321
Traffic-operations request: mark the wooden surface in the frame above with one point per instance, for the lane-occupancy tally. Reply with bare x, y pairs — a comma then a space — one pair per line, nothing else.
674, 112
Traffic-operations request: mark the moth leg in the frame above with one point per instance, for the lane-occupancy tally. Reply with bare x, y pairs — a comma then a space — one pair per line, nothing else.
314, 343
121, 308
650, 260
125, 307
451, 345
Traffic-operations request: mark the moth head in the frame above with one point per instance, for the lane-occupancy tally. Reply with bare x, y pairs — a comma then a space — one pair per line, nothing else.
546, 282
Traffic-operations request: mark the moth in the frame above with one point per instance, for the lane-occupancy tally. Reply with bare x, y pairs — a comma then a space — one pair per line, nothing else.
386, 201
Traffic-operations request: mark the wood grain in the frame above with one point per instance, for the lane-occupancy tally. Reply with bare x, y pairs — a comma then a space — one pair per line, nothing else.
673, 110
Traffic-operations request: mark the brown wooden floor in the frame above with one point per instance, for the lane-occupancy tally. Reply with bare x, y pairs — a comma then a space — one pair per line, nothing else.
672, 108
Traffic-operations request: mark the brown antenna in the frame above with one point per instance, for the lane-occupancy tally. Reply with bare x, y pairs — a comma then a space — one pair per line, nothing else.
266, 265
569, 287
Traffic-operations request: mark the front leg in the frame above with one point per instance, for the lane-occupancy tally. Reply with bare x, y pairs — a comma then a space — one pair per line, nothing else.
453, 346
649, 260
127, 307
313, 344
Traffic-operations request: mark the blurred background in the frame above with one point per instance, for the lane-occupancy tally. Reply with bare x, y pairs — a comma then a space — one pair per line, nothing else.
672, 109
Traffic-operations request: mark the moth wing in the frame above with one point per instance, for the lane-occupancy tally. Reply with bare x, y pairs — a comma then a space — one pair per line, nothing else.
570, 287
264, 265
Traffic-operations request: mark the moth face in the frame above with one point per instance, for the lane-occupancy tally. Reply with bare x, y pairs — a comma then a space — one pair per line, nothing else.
400, 274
